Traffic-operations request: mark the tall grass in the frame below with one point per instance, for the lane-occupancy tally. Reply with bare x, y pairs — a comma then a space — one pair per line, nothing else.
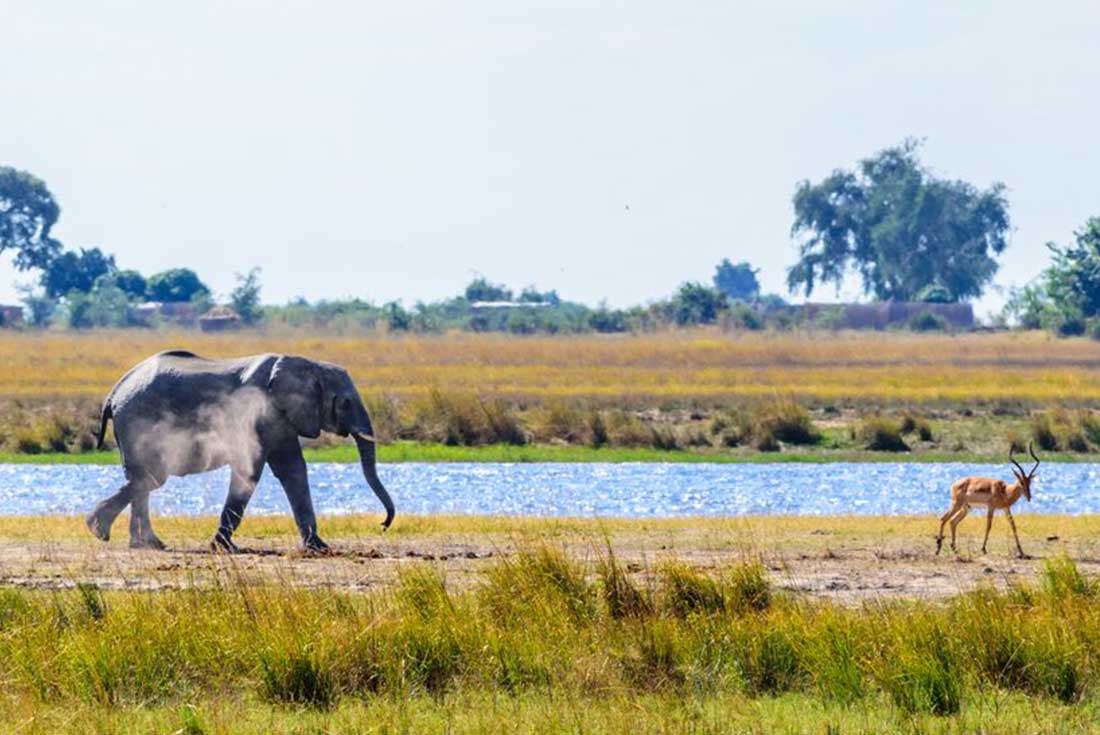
541, 621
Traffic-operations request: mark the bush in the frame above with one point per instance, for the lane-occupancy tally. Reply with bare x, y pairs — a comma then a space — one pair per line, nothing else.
785, 421
911, 424
880, 434
926, 321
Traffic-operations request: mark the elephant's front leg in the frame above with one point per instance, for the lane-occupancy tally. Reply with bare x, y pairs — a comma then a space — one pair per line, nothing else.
241, 486
290, 467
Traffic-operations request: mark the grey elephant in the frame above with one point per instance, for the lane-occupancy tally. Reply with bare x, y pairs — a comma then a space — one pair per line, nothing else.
178, 414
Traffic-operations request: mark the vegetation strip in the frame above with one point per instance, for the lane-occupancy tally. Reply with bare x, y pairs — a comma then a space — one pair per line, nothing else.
543, 624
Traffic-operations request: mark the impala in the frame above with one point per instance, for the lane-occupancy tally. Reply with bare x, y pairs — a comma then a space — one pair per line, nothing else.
994, 495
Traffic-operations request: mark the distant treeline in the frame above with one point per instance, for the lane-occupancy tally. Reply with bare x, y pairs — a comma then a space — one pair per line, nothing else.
905, 234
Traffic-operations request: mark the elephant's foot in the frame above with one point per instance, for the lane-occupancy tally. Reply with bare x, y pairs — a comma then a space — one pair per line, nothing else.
148, 542
99, 529
222, 544
315, 545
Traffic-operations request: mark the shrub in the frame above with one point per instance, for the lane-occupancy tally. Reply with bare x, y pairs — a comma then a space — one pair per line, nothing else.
749, 589
880, 434
687, 592
911, 424
926, 321
786, 421
296, 677
622, 598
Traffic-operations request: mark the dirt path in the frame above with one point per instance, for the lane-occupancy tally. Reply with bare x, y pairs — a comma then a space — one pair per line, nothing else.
846, 558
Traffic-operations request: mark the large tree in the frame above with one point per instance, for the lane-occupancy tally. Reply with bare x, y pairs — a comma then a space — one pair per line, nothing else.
737, 281
176, 285
903, 230
28, 212
71, 271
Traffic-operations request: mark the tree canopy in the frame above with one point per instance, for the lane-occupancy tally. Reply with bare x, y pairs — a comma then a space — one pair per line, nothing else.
28, 212
72, 271
1068, 291
736, 281
900, 228
175, 285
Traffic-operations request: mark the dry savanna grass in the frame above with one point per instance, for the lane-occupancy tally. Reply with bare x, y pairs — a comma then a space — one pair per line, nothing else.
676, 368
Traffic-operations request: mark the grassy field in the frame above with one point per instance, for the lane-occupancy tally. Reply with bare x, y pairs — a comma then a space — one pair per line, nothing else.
667, 626
742, 397
678, 368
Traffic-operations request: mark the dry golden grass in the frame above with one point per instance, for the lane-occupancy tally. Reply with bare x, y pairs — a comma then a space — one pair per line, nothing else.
681, 368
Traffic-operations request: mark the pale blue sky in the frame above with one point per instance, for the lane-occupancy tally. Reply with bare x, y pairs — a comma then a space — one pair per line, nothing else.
388, 150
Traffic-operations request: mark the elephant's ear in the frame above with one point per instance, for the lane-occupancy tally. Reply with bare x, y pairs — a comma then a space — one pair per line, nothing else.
295, 390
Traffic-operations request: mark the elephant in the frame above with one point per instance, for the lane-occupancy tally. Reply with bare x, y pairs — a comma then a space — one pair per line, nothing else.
178, 414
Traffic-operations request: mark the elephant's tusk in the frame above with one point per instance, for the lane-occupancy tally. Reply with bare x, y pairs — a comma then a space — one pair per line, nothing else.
368, 438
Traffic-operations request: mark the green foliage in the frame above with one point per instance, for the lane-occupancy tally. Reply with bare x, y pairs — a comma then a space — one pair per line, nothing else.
481, 289
106, 305
926, 321
785, 420
743, 316
901, 228
28, 213
70, 271
245, 297
176, 285
737, 282
880, 434
695, 303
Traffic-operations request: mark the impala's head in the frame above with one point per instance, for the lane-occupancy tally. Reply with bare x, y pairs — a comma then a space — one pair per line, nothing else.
1024, 478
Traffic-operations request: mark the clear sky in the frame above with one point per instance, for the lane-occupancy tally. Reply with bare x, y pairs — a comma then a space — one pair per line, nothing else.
388, 150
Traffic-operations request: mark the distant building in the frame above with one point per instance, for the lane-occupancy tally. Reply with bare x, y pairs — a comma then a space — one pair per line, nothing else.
220, 319
11, 316
883, 314
182, 312
496, 305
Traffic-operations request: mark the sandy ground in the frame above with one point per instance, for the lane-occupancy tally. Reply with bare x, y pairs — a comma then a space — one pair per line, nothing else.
845, 558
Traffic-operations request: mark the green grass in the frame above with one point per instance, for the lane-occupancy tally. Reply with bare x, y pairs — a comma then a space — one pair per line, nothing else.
404, 451
542, 644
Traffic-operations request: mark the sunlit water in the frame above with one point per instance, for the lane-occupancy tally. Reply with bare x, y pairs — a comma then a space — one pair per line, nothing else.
557, 489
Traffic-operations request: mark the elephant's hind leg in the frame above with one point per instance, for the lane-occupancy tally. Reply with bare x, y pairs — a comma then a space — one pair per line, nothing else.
100, 520
141, 528
241, 487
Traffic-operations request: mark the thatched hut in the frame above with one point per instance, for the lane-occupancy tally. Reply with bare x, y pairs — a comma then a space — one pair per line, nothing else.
220, 319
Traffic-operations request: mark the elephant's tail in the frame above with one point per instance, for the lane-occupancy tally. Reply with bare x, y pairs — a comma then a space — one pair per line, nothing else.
104, 417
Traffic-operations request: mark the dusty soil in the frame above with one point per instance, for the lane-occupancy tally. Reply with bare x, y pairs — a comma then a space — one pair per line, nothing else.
845, 558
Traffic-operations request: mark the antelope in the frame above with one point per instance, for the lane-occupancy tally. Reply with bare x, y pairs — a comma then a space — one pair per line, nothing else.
994, 495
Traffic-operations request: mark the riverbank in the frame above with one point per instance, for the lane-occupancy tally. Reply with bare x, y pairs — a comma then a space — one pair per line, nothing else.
467, 624
406, 451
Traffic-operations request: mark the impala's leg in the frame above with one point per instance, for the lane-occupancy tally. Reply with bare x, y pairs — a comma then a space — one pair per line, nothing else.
988, 525
1012, 522
943, 523
955, 523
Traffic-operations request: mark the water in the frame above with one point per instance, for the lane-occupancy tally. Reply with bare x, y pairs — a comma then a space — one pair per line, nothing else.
556, 489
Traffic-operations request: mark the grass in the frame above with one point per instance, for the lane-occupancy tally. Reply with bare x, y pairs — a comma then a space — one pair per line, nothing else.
643, 371
702, 392
407, 451
547, 641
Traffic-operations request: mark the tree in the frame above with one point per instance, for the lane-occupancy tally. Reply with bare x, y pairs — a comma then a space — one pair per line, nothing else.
245, 298
28, 212
1073, 278
737, 281
132, 283
105, 305
1068, 291
176, 285
531, 295
481, 290
694, 303
901, 228
70, 271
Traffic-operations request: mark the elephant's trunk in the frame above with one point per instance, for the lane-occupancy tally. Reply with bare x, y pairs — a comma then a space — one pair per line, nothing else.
366, 458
